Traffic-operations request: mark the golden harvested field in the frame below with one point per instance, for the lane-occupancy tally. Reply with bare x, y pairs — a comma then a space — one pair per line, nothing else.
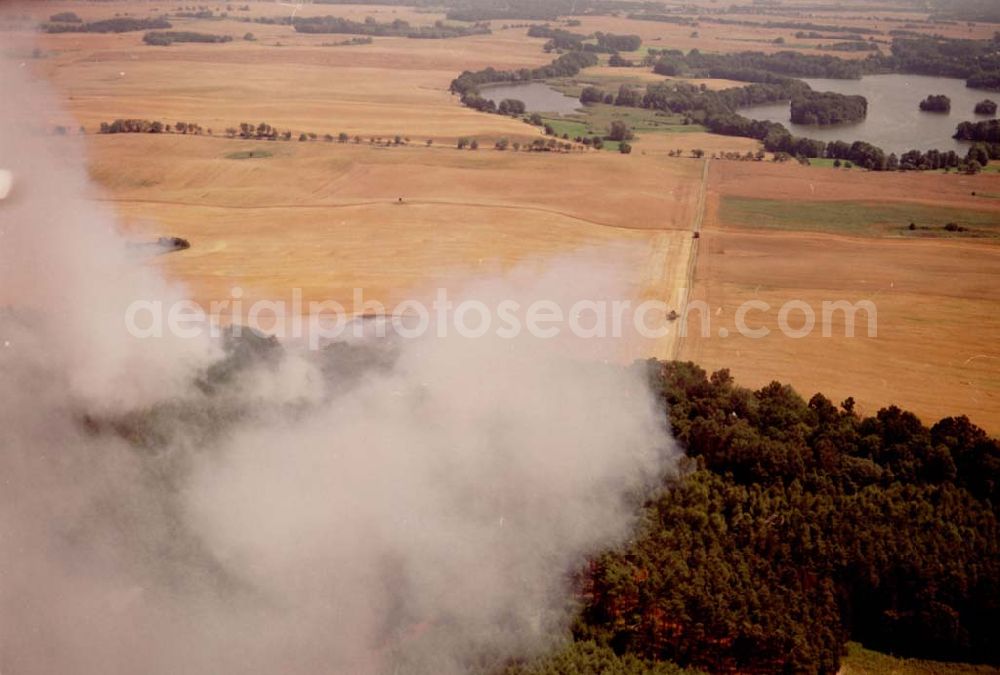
936, 349
327, 217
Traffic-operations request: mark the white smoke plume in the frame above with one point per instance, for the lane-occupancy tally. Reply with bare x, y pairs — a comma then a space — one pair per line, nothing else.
170, 506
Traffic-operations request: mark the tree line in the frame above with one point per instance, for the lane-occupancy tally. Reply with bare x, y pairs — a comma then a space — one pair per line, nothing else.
566, 65
796, 525
167, 38
975, 61
117, 25
396, 28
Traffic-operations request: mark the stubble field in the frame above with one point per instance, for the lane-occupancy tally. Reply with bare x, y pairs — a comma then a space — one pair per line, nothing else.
326, 217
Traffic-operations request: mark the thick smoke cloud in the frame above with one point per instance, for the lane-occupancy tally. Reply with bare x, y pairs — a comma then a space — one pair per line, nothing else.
190, 506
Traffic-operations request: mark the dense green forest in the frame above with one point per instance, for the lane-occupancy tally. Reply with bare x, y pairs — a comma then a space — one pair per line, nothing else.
796, 526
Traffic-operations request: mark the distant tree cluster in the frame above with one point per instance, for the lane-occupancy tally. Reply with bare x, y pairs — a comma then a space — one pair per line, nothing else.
564, 40
798, 525
936, 103
117, 25
66, 17
490, 10
790, 25
851, 46
827, 107
167, 38
976, 61
617, 43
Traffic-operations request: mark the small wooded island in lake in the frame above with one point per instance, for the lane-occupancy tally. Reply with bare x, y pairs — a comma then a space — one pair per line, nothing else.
936, 103
827, 107
986, 107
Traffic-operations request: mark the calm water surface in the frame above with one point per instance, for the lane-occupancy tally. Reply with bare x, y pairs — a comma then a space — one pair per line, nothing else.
537, 96
895, 122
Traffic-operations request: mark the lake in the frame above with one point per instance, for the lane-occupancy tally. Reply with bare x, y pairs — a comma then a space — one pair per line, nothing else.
537, 96
895, 122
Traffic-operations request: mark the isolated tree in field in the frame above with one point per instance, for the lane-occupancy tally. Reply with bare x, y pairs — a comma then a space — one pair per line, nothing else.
303, 138
249, 37
463, 142
430, 142
502, 144
474, 144
619, 131
342, 137
328, 138
697, 153
625, 148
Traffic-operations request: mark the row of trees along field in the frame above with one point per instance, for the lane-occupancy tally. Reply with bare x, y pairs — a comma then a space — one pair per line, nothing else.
167, 38
123, 24
396, 28
794, 526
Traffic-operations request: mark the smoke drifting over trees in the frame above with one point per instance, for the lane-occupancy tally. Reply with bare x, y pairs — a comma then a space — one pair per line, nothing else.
199, 506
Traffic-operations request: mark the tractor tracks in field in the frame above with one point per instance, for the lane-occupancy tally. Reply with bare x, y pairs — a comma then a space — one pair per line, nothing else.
377, 202
673, 283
